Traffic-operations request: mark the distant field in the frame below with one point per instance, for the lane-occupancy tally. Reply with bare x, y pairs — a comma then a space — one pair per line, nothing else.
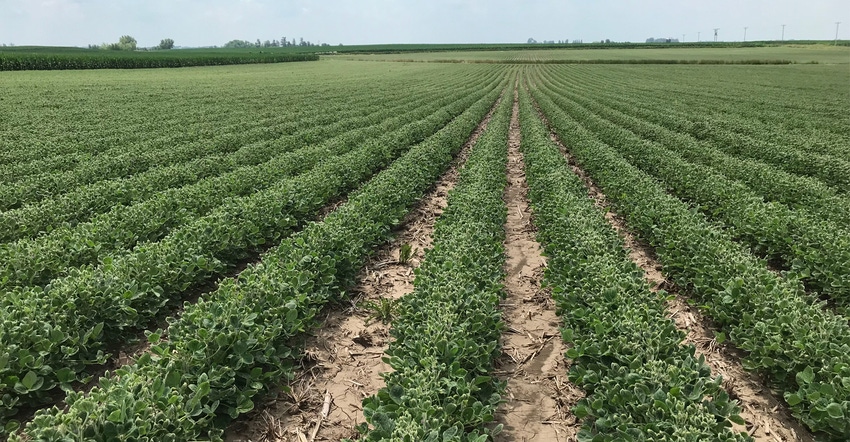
26, 58
819, 53
58, 58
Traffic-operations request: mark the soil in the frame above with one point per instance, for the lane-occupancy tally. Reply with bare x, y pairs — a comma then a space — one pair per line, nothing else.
538, 396
343, 359
767, 417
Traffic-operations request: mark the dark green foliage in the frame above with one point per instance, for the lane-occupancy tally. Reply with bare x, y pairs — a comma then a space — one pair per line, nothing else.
236, 342
98, 59
801, 348
447, 331
816, 250
679, 135
641, 384
166, 43
36, 261
56, 331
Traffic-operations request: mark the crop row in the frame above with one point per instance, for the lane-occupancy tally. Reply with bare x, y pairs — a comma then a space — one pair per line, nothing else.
159, 139
801, 348
51, 335
35, 262
741, 120
238, 341
78, 205
795, 191
748, 110
446, 335
46, 62
110, 112
113, 139
805, 138
192, 113
816, 250
641, 384
35, 188
768, 93
830, 169
107, 112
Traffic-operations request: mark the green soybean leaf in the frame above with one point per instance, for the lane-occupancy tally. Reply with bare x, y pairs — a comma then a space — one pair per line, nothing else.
30, 380
115, 416
153, 338
806, 376
173, 378
835, 411
12, 426
449, 434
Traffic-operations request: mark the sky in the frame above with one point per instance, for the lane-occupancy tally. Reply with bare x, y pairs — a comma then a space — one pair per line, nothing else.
194, 23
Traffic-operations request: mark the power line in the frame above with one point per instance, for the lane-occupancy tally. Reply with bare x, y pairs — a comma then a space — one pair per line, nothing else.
715, 34
836, 33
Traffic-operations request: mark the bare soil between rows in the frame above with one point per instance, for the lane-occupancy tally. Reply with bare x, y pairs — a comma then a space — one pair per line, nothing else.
538, 398
343, 358
767, 417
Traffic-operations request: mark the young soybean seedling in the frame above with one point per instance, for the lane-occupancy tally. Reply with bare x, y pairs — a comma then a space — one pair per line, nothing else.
406, 253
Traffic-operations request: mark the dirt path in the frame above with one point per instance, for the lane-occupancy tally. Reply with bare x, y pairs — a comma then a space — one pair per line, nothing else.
539, 396
767, 418
343, 359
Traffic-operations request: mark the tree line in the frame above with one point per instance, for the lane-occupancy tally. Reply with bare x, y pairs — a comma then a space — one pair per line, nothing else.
282, 43
128, 43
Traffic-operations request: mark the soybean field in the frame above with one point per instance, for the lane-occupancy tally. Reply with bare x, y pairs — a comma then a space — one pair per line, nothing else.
511, 246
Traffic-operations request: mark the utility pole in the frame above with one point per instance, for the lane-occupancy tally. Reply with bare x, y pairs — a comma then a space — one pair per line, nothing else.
745, 33
698, 33
836, 33
783, 32
715, 34
683, 38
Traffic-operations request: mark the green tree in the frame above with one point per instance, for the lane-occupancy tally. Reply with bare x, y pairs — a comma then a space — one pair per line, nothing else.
127, 43
239, 44
166, 43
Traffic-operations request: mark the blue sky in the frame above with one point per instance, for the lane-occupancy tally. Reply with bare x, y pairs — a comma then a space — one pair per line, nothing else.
214, 22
